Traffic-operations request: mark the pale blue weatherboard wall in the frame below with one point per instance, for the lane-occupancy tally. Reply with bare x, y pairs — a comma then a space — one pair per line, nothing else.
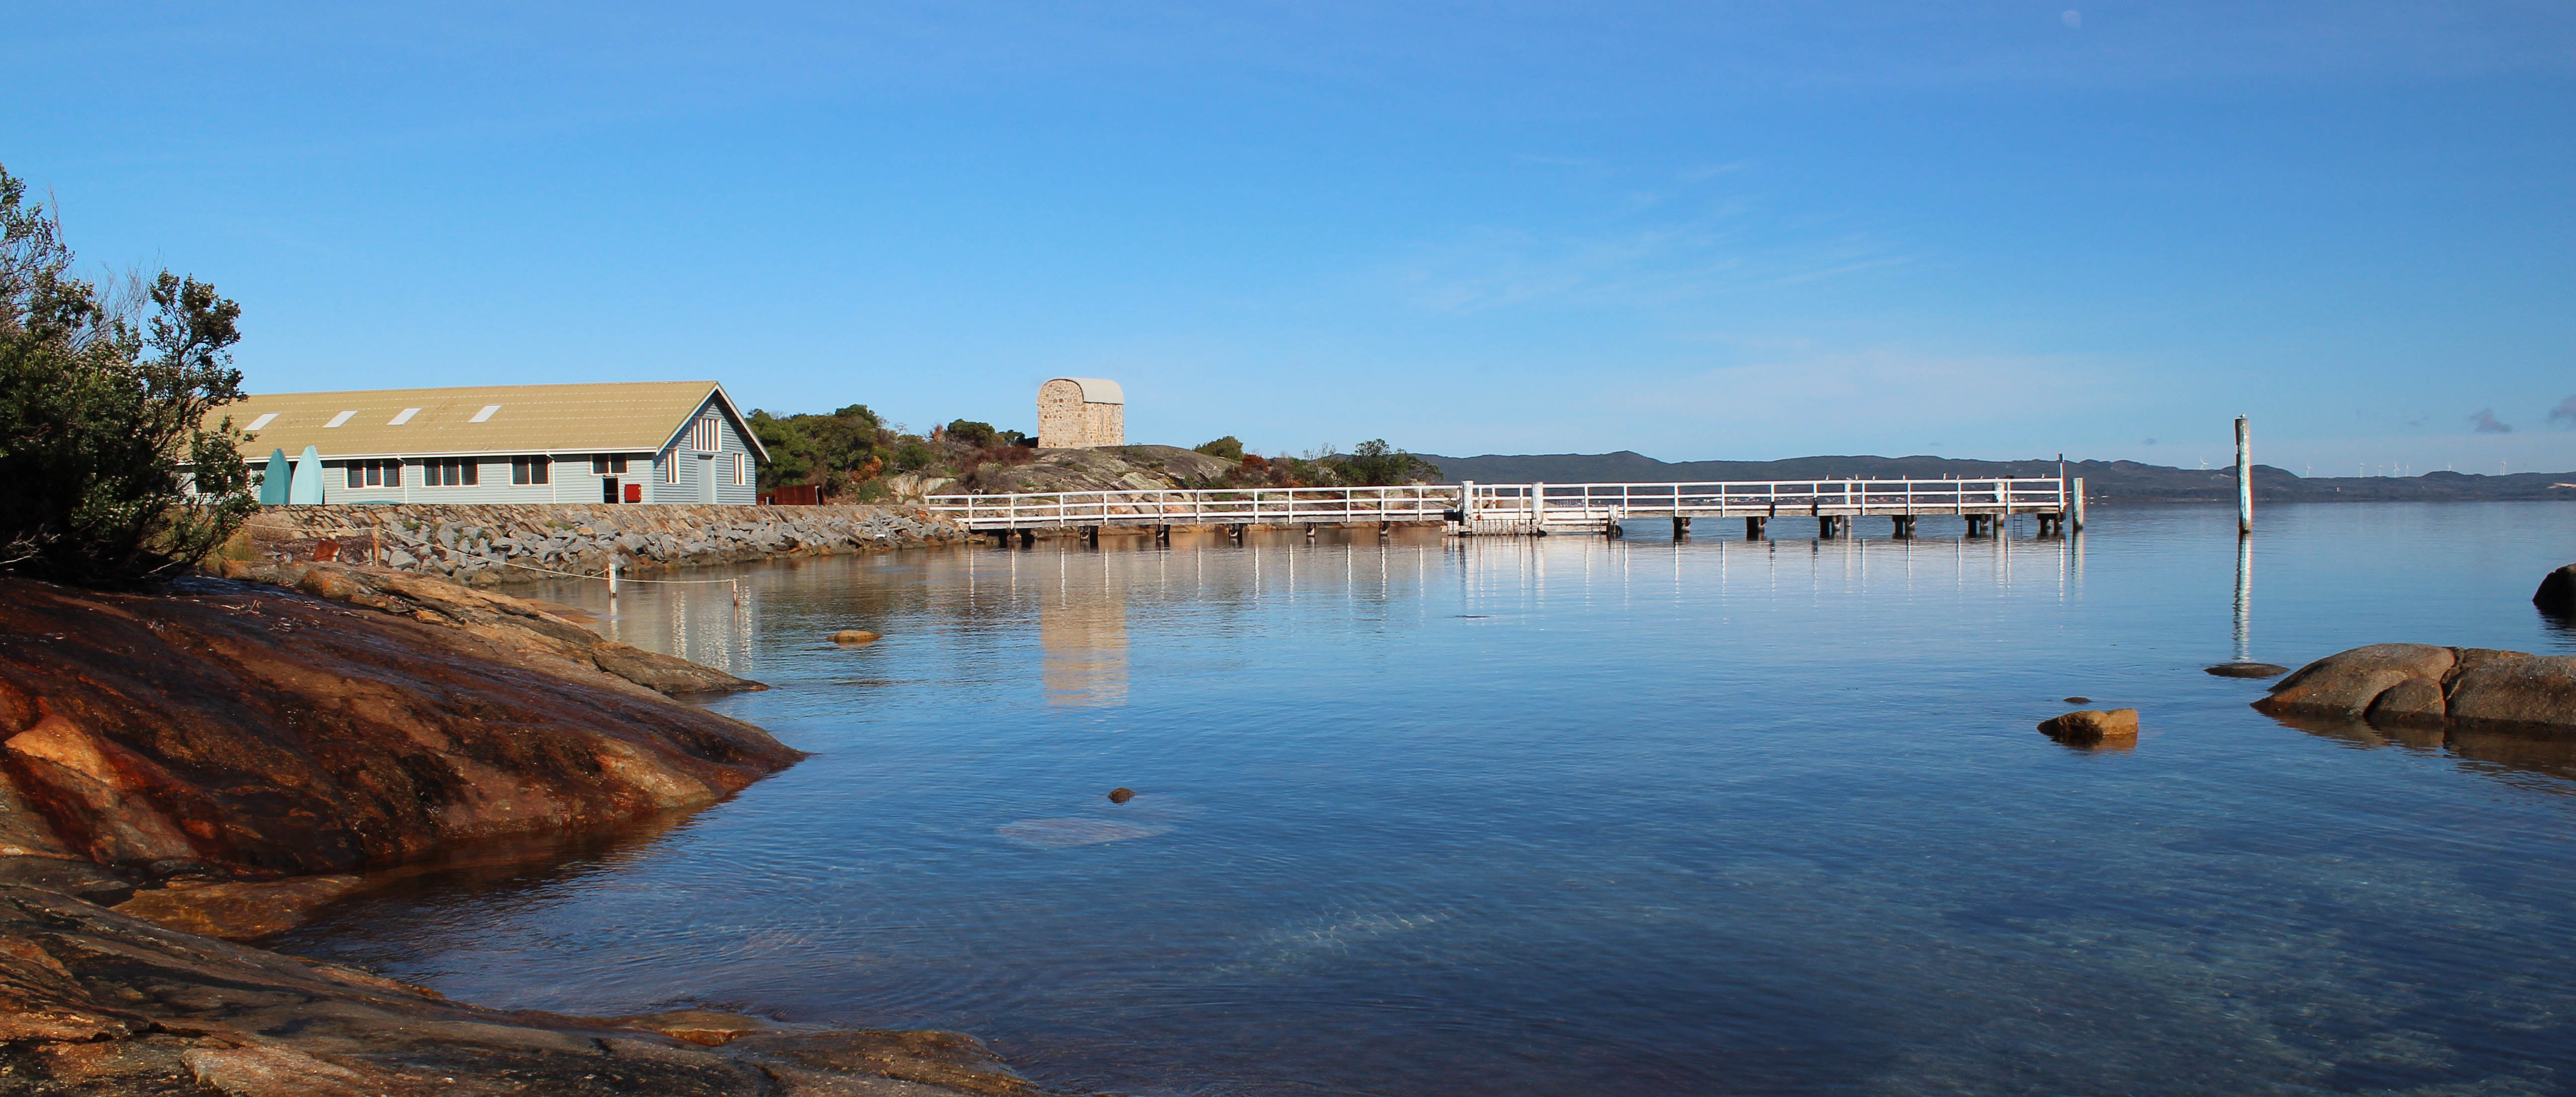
707, 477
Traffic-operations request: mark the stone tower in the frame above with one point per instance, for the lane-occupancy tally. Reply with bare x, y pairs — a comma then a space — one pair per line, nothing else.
1081, 413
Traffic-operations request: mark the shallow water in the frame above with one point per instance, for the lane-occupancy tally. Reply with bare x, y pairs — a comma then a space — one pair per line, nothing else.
1576, 816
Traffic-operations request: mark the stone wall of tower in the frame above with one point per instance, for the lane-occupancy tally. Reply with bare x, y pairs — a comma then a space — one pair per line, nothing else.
1065, 420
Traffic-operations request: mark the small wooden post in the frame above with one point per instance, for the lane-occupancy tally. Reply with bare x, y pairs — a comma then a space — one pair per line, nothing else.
2244, 477
2079, 505
1681, 528
612, 576
1538, 506
1753, 526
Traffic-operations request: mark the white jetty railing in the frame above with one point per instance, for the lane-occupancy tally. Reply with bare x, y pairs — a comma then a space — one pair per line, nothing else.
1572, 503
1526, 506
1224, 506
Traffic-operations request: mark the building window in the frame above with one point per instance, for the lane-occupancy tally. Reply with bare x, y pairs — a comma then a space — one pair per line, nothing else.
375, 474
739, 461
671, 467
702, 436
607, 465
531, 470
450, 472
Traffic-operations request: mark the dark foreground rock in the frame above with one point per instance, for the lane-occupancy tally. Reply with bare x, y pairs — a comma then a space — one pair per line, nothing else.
2247, 670
2427, 686
238, 732
99, 1004
2557, 593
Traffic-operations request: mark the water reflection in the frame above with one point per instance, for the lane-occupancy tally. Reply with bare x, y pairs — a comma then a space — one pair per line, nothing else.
2489, 752
1578, 816
1082, 628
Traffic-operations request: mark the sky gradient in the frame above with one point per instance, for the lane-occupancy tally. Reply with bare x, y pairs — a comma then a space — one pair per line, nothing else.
1698, 231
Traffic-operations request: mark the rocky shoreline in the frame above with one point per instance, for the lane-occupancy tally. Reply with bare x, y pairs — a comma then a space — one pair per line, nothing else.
219, 759
489, 544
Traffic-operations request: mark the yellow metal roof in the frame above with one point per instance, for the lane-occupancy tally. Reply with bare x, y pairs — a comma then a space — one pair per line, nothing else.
636, 417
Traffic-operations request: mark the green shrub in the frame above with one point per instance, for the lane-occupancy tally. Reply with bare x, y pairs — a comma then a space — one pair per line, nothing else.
1228, 448
108, 415
1374, 463
978, 435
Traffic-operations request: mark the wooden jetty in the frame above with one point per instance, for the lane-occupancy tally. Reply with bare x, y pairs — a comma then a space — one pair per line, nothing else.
1529, 509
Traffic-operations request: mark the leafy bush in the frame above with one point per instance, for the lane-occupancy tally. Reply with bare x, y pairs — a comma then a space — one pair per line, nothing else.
835, 451
912, 454
104, 415
1373, 463
1228, 448
978, 435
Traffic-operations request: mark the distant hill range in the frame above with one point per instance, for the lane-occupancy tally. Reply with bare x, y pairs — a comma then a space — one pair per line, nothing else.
2104, 481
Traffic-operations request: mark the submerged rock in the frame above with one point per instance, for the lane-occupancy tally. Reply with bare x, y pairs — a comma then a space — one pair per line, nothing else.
2247, 670
2088, 726
855, 636
2418, 684
1121, 794
1062, 833
238, 912
95, 1002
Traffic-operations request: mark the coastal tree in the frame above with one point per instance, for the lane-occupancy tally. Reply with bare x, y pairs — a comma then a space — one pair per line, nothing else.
839, 452
108, 414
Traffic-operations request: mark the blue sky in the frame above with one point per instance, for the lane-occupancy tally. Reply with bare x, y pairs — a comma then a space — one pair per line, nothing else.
1706, 230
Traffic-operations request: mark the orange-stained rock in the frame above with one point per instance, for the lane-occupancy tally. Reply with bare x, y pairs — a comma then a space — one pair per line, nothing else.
2089, 726
240, 731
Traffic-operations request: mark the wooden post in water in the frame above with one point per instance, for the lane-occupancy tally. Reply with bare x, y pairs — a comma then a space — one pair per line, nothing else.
2244, 477
1681, 528
2078, 502
612, 576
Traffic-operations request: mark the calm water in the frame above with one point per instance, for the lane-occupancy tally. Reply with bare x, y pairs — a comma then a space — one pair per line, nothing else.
1576, 816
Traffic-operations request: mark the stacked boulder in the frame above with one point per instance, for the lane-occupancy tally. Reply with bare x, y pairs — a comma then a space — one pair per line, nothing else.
2424, 685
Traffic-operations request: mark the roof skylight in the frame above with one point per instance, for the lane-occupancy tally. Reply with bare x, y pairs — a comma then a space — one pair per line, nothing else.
343, 417
262, 421
484, 414
403, 418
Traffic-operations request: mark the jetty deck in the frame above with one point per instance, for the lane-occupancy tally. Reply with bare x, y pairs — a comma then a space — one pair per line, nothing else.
1528, 509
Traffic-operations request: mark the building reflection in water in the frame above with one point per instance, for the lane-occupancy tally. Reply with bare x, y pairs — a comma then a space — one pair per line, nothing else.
1082, 634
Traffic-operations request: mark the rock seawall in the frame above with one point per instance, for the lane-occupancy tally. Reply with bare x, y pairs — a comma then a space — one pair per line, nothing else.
479, 544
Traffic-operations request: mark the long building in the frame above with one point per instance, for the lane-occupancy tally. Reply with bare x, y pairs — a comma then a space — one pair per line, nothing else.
637, 442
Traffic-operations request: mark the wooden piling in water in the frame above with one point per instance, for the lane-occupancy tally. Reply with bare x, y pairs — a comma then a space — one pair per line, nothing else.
2244, 477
